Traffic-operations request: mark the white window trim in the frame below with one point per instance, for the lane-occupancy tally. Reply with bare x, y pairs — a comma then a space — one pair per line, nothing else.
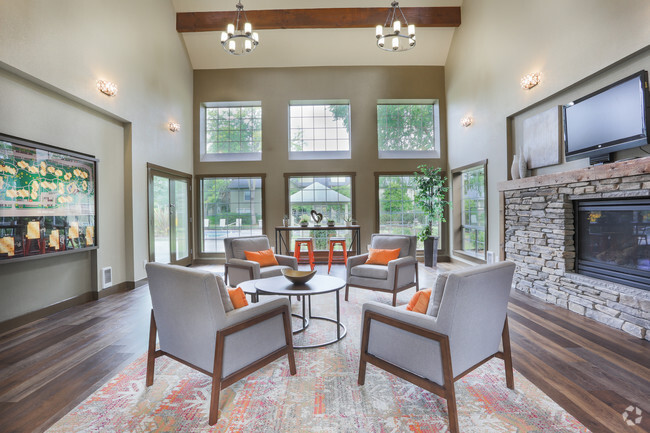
217, 157
414, 154
319, 154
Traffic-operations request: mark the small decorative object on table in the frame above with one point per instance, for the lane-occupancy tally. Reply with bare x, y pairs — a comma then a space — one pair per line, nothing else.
304, 220
317, 217
330, 223
285, 221
298, 277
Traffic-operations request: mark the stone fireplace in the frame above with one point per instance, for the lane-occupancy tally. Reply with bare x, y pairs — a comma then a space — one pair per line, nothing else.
605, 277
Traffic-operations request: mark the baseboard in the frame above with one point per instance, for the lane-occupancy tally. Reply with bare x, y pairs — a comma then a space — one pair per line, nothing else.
16, 322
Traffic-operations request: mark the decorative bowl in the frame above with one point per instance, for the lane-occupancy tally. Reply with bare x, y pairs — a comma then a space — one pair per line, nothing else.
298, 277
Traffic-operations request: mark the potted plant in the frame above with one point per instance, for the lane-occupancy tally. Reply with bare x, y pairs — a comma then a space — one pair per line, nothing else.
330, 223
304, 220
430, 196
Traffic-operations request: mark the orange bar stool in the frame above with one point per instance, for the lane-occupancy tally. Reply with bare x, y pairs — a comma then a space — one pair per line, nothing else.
333, 242
309, 242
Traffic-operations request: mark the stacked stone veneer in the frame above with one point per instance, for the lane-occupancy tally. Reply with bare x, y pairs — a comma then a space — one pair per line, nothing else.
539, 238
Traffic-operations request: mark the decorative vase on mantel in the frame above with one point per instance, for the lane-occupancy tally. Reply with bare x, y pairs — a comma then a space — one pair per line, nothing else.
514, 168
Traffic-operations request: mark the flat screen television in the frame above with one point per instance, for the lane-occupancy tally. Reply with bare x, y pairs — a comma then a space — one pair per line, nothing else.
609, 120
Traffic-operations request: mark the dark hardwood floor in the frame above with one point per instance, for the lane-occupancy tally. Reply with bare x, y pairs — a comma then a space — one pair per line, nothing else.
49, 366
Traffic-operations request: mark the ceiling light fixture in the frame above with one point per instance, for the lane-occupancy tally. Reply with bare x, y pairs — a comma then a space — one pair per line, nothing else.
236, 40
390, 37
107, 88
529, 81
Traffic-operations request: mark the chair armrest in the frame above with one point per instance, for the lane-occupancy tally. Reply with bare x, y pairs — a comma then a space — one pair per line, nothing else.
420, 320
245, 264
397, 267
287, 261
253, 310
355, 261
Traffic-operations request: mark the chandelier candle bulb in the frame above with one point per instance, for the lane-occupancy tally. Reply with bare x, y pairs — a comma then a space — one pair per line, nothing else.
379, 31
411, 30
224, 37
231, 46
397, 27
395, 44
248, 28
247, 45
256, 37
239, 37
380, 42
230, 29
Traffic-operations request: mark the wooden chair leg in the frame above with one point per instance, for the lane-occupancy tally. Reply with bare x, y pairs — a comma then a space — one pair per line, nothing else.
151, 353
452, 410
347, 289
364, 349
216, 380
507, 355
450, 392
288, 338
417, 278
394, 299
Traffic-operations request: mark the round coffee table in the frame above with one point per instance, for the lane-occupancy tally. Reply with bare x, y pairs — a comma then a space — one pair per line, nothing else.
318, 285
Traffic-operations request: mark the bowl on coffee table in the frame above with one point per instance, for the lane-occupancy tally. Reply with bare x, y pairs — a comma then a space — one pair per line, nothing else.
298, 277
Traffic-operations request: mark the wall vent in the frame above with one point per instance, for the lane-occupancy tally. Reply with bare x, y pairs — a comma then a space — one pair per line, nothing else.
107, 277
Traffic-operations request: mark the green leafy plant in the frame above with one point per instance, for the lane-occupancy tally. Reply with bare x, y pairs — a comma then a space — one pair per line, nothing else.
430, 196
304, 219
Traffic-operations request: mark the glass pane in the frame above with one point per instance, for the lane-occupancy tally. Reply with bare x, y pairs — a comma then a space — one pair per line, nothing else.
328, 124
182, 219
234, 129
232, 206
161, 219
405, 127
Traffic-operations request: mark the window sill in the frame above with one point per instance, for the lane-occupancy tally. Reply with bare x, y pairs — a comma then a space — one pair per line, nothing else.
469, 256
226, 157
319, 155
409, 154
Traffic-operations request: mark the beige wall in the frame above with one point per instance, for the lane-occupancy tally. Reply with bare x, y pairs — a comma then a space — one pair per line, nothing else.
51, 54
499, 42
275, 87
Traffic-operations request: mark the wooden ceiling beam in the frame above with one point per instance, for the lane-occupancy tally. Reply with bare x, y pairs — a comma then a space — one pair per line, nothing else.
316, 18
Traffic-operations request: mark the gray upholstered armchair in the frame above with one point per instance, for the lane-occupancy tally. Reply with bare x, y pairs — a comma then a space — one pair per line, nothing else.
196, 325
238, 269
400, 274
464, 325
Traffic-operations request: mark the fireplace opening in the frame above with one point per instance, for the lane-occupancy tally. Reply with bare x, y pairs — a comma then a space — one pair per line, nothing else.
613, 241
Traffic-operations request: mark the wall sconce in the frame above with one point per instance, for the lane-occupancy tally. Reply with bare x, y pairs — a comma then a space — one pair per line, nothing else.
174, 127
107, 88
466, 121
529, 81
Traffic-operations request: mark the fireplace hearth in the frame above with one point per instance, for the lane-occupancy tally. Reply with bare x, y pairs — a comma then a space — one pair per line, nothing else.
580, 241
613, 241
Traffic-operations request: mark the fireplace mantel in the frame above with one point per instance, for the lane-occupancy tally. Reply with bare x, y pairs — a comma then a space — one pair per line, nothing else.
537, 225
596, 172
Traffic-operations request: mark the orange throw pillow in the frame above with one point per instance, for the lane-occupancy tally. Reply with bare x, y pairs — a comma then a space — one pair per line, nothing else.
238, 297
264, 258
419, 302
381, 257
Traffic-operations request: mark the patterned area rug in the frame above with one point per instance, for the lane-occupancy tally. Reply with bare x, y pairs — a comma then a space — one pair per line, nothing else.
323, 397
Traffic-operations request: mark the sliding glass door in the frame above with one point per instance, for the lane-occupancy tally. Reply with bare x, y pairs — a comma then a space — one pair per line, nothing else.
169, 216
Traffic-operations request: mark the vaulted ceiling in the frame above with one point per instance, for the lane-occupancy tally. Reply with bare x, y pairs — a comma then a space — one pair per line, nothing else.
314, 46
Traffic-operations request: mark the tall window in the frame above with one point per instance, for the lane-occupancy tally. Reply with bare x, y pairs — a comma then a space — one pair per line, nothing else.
331, 196
231, 131
469, 209
408, 129
319, 130
473, 221
398, 213
231, 206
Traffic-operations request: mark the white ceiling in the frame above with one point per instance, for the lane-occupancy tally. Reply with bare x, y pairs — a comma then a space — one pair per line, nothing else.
314, 47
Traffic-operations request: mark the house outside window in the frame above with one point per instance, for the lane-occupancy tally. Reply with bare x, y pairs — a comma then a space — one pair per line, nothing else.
398, 213
319, 129
231, 131
330, 195
230, 206
408, 129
